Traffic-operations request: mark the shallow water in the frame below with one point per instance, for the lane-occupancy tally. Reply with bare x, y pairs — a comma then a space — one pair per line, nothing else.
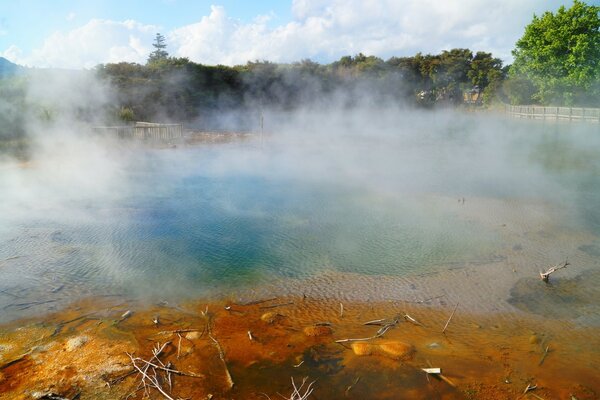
314, 199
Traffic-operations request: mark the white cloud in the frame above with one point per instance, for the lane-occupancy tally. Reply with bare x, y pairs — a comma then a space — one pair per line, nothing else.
98, 41
70, 16
326, 30
323, 30
13, 53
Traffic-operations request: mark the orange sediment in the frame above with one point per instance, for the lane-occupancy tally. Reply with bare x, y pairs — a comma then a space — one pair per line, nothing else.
84, 351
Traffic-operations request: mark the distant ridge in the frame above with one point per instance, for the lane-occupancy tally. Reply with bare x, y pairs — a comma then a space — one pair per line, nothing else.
8, 68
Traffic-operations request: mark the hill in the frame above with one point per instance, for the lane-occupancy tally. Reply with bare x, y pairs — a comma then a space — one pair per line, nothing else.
8, 68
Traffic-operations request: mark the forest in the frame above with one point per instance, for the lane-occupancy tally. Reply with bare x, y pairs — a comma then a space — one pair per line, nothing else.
556, 62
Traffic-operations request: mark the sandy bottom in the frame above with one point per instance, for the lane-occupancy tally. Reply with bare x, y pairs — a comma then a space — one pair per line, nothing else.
83, 352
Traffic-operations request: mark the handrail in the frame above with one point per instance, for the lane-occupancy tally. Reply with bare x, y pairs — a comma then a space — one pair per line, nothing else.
554, 113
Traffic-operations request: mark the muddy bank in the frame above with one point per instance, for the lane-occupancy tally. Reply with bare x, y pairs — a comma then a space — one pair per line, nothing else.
240, 349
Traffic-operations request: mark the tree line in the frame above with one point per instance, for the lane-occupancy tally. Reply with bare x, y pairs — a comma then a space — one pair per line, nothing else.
182, 89
556, 62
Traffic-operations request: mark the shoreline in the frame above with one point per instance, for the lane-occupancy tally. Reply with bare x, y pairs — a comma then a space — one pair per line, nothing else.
83, 351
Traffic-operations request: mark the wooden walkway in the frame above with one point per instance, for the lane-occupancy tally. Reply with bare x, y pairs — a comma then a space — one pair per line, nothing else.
554, 113
143, 131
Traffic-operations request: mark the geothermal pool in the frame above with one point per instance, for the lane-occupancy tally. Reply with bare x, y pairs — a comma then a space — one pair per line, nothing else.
410, 207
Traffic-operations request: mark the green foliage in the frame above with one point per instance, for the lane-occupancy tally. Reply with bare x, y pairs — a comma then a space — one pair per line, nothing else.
560, 54
126, 114
159, 52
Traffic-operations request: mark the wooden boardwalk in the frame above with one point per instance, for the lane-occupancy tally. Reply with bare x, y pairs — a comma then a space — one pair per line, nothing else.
143, 131
554, 113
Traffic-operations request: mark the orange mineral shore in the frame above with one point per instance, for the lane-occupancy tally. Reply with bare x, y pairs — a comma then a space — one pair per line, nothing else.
294, 348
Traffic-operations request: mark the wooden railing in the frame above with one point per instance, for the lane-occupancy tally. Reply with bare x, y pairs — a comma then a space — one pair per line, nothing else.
143, 130
554, 113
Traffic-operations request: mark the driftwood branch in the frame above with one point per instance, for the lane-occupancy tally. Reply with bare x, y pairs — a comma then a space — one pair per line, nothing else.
449, 319
545, 276
387, 326
228, 377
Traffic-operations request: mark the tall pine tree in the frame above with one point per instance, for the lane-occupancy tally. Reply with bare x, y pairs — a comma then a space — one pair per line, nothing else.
159, 52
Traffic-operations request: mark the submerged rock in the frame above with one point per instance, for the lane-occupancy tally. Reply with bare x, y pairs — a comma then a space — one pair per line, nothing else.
75, 343
195, 335
317, 330
393, 349
271, 317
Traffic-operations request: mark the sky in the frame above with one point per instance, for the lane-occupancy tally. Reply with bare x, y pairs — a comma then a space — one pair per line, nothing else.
83, 34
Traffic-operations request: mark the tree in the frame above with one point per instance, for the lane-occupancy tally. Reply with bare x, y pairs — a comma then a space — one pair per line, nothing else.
560, 54
159, 52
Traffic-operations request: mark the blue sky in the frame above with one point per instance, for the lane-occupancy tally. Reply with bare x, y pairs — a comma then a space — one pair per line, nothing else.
81, 34
25, 23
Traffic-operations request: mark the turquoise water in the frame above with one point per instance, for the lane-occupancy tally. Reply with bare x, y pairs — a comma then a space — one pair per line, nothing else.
211, 220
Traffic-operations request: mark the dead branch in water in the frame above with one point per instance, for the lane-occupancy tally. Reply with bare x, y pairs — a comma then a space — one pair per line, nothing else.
276, 305
154, 372
351, 386
297, 394
546, 275
253, 302
449, 319
379, 333
421, 301
546, 350
228, 377
411, 319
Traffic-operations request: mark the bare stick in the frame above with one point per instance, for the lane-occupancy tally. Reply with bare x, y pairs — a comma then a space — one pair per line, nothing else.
351, 386
544, 355
379, 333
171, 370
449, 319
250, 303
180, 331
341, 310
529, 387
422, 301
230, 382
375, 322
297, 395
546, 275
276, 305
411, 319
153, 380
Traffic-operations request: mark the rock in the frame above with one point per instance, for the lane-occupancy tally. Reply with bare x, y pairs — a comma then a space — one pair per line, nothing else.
317, 330
271, 317
534, 339
393, 349
362, 348
397, 350
75, 343
195, 335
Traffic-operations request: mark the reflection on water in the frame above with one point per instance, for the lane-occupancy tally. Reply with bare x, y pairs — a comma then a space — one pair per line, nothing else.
397, 199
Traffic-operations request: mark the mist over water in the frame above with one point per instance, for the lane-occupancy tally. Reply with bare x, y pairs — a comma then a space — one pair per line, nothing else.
372, 191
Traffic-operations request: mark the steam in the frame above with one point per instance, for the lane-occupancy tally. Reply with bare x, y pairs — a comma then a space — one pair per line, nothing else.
378, 157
